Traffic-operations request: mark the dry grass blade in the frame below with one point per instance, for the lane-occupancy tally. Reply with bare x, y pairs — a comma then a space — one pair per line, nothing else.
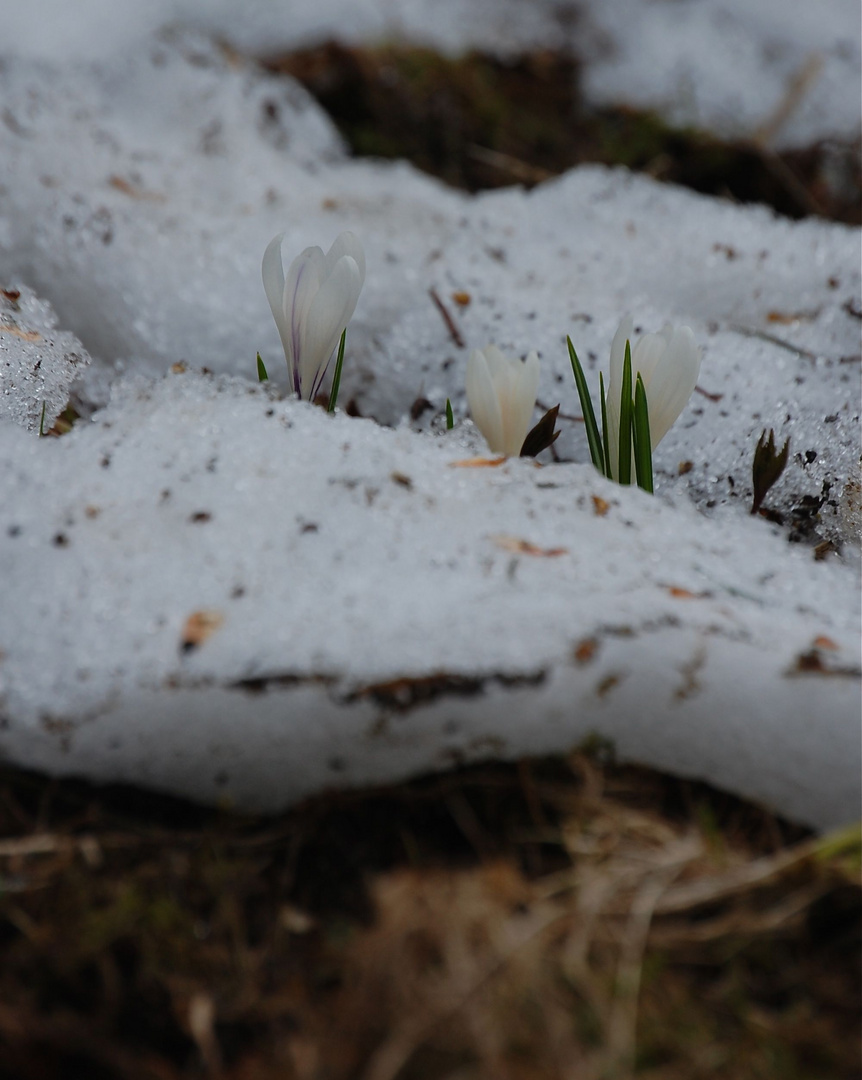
547, 921
740, 922
39, 844
390, 1058
740, 879
622, 1027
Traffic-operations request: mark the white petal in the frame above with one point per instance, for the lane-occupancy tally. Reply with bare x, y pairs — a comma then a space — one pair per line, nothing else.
346, 243
327, 317
272, 271
483, 401
672, 382
647, 356
300, 288
499, 368
517, 407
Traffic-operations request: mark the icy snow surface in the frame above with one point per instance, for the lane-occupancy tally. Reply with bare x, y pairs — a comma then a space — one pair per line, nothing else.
222, 594
39, 364
728, 65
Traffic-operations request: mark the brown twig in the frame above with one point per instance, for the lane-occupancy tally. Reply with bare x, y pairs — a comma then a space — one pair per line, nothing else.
506, 163
454, 332
707, 394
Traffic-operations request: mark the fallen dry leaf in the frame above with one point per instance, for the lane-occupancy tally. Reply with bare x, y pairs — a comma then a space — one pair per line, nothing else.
585, 650
823, 642
27, 335
477, 463
813, 662
600, 506
119, 183
462, 299
524, 547
199, 626
785, 318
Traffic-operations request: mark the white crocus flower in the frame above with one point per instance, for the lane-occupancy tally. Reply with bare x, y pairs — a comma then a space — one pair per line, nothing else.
313, 304
501, 393
669, 364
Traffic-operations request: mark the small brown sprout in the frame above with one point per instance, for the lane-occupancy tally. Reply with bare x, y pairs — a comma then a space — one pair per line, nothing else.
767, 467
542, 435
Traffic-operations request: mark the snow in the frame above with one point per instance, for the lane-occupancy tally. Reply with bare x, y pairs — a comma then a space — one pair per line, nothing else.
726, 65
39, 364
163, 176
372, 611
216, 592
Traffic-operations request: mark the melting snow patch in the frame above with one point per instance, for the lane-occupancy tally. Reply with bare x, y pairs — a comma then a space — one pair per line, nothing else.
39, 364
227, 595
221, 594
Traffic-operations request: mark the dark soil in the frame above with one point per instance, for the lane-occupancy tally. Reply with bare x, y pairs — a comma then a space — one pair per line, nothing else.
543, 920
478, 122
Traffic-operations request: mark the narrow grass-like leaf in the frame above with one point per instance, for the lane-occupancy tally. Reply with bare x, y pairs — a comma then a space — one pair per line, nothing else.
593, 437
42, 419
261, 370
450, 416
640, 430
625, 465
605, 438
542, 435
336, 378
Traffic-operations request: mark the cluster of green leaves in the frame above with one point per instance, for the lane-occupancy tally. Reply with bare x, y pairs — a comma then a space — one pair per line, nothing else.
634, 425
262, 375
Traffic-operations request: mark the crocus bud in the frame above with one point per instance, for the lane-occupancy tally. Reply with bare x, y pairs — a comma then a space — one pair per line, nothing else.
313, 305
668, 363
501, 393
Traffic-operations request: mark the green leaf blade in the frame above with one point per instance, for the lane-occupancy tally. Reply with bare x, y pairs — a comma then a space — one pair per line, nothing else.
640, 431
336, 378
605, 438
593, 437
450, 416
261, 370
625, 465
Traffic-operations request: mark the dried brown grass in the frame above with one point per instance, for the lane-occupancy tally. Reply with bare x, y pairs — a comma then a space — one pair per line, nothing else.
553, 920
